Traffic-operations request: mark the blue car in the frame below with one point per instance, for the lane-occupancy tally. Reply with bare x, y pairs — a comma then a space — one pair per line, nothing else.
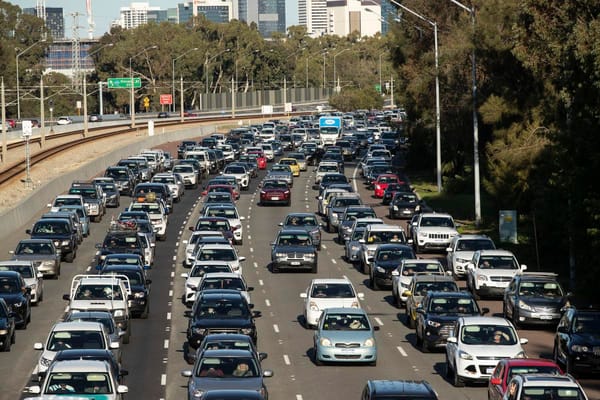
345, 335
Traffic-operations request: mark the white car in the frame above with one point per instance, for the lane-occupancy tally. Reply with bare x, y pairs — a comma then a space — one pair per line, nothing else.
240, 173
490, 271
64, 121
461, 249
193, 279
328, 293
230, 212
220, 252
32, 277
188, 173
475, 346
73, 335
402, 276
158, 216
174, 183
433, 231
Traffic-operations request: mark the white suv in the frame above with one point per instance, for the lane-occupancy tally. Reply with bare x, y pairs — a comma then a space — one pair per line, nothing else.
328, 293
461, 249
490, 271
433, 231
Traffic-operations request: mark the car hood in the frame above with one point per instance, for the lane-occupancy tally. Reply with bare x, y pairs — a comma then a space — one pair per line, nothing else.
388, 264
446, 318
590, 339
53, 236
347, 336
222, 323
498, 272
33, 257
207, 383
464, 255
333, 302
12, 298
438, 229
539, 301
492, 350
293, 249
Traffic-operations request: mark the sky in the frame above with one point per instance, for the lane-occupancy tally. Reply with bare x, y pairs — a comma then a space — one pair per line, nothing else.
106, 11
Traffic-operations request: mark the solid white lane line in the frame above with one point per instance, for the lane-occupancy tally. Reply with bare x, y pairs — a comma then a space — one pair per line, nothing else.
286, 359
401, 350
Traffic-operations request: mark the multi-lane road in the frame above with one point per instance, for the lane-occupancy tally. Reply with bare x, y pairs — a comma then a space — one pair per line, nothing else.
155, 355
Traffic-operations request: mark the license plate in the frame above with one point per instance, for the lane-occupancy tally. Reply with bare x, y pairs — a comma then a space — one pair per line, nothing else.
489, 370
275, 198
348, 351
545, 317
295, 263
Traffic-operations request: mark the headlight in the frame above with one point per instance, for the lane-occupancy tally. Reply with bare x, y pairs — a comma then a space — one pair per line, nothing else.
395, 208
247, 331
310, 255
17, 305
199, 331
65, 242
520, 354
47, 263
325, 342
462, 260
371, 252
525, 306
370, 342
578, 348
197, 393
482, 278
280, 255
354, 248
139, 295
434, 324
119, 313
33, 287
464, 355
313, 306
405, 285
3, 331
380, 269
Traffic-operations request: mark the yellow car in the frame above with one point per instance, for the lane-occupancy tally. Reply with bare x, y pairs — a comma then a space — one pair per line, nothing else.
293, 163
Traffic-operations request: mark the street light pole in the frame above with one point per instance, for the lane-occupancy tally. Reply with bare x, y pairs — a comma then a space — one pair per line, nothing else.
336, 86
173, 77
17, 65
324, 54
132, 99
476, 177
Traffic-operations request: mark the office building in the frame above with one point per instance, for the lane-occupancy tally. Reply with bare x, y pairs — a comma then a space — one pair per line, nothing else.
219, 11
269, 15
54, 19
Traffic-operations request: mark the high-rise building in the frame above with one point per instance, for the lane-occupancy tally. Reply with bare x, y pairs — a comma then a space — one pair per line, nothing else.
135, 15
220, 11
269, 15
313, 15
349, 16
54, 18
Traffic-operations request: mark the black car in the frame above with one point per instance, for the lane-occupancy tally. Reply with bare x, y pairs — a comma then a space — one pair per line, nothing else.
62, 234
393, 188
124, 178
437, 315
293, 249
7, 326
386, 259
576, 342
110, 189
403, 205
94, 354
397, 390
139, 285
120, 240
185, 146
160, 190
331, 179
17, 296
346, 221
220, 311
306, 221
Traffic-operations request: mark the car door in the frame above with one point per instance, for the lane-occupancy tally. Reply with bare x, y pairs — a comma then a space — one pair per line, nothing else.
495, 390
511, 298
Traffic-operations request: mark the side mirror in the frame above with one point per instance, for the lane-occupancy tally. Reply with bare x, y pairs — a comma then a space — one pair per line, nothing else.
395, 273
38, 346
191, 228
523, 340
185, 275
34, 389
496, 381
280, 224
452, 339
240, 259
303, 295
449, 249
242, 218
186, 373
188, 314
148, 281
361, 241
262, 356
523, 267
66, 297
39, 275
562, 329
121, 389
256, 314
249, 288
114, 345
485, 310
28, 231
361, 296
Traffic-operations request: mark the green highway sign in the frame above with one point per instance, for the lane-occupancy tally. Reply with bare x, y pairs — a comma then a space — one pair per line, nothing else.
123, 83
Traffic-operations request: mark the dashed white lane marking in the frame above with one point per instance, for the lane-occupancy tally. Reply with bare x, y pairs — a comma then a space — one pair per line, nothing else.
298, 397
163, 380
276, 328
172, 274
168, 316
249, 237
378, 321
89, 268
174, 258
401, 350
170, 293
251, 250
324, 247
166, 344
333, 261
260, 282
267, 302
308, 206
286, 359
248, 226
255, 264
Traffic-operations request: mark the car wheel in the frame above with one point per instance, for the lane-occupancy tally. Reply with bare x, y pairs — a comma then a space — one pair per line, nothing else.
457, 381
373, 283
70, 257
397, 301
364, 268
424, 346
6, 347
314, 268
317, 361
409, 321
144, 314
515, 319
476, 294
419, 339
449, 372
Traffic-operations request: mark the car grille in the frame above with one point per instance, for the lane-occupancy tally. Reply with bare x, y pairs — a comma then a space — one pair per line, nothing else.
347, 357
446, 329
491, 358
223, 330
500, 278
295, 256
347, 345
438, 236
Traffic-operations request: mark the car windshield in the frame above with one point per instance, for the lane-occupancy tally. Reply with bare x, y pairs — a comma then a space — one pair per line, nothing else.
346, 322
275, 185
587, 324
200, 269
227, 367
218, 197
63, 340
150, 208
298, 220
553, 393
119, 242
474, 245
164, 179
394, 255
223, 283
217, 254
84, 317
350, 215
406, 198
208, 225
26, 271
386, 237
234, 170
358, 234
98, 292
222, 308
540, 289
294, 240
183, 169
327, 168
25, 248
116, 260
221, 212
498, 262
332, 290
346, 201
9, 286
281, 167
85, 193
57, 228
225, 344
82, 383
488, 335
421, 288
452, 305
443, 222
409, 269
135, 277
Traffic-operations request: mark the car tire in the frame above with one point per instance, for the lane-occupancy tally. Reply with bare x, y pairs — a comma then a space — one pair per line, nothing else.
515, 319
144, 314
476, 294
314, 269
425, 346
373, 283
397, 301
239, 242
409, 321
317, 361
70, 257
373, 363
418, 340
457, 380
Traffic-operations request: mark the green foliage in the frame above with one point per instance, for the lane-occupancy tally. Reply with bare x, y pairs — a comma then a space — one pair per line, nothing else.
353, 99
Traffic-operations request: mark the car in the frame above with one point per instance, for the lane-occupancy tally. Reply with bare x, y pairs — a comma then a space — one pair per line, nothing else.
80, 378
214, 224
576, 340
433, 231
461, 249
328, 194
162, 114
64, 120
16, 294
225, 280
403, 274
226, 369
7, 326
195, 276
230, 212
293, 163
173, 181
124, 178
374, 236
544, 386
437, 315
226, 341
381, 183
352, 247
475, 346
122, 237
72, 217
192, 242
221, 188
325, 293
275, 191
490, 271
221, 252
306, 221
507, 368
104, 317
139, 303
325, 167
240, 173
293, 249
60, 232
347, 220
110, 189
398, 390
386, 259
153, 192
94, 354
391, 190
157, 211
280, 172
331, 179
301, 158
403, 205
339, 326
220, 311
534, 298
187, 173
95, 118
418, 288
73, 335
337, 207
33, 278
261, 160
42, 253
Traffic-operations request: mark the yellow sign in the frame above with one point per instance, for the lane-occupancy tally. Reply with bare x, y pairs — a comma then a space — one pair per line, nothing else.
146, 101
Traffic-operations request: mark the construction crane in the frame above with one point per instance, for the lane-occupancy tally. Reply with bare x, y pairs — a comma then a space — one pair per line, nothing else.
90, 18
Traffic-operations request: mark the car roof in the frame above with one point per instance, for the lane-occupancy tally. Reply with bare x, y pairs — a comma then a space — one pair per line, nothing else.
228, 275
385, 227
227, 353
211, 246
482, 320
392, 387
427, 277
549, 380
221, 293
290, 231
9, 274
434, 214
472, 236
17, 262
496, 252
91, 313
77, 326
420, 261
534, 362
99, 366
318, 281
344, 310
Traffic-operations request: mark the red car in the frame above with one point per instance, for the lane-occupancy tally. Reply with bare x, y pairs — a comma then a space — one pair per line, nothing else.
382, 182
273, 191
221, 188
261, 160
509, 367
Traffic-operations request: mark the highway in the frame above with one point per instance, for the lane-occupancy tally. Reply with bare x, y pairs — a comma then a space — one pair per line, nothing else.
155, 355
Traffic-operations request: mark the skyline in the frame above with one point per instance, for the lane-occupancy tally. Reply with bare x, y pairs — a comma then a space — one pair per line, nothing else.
106, 11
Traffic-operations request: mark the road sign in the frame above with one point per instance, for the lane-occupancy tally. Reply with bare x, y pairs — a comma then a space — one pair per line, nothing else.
27, 126
124, 83
146, 102
166, 99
